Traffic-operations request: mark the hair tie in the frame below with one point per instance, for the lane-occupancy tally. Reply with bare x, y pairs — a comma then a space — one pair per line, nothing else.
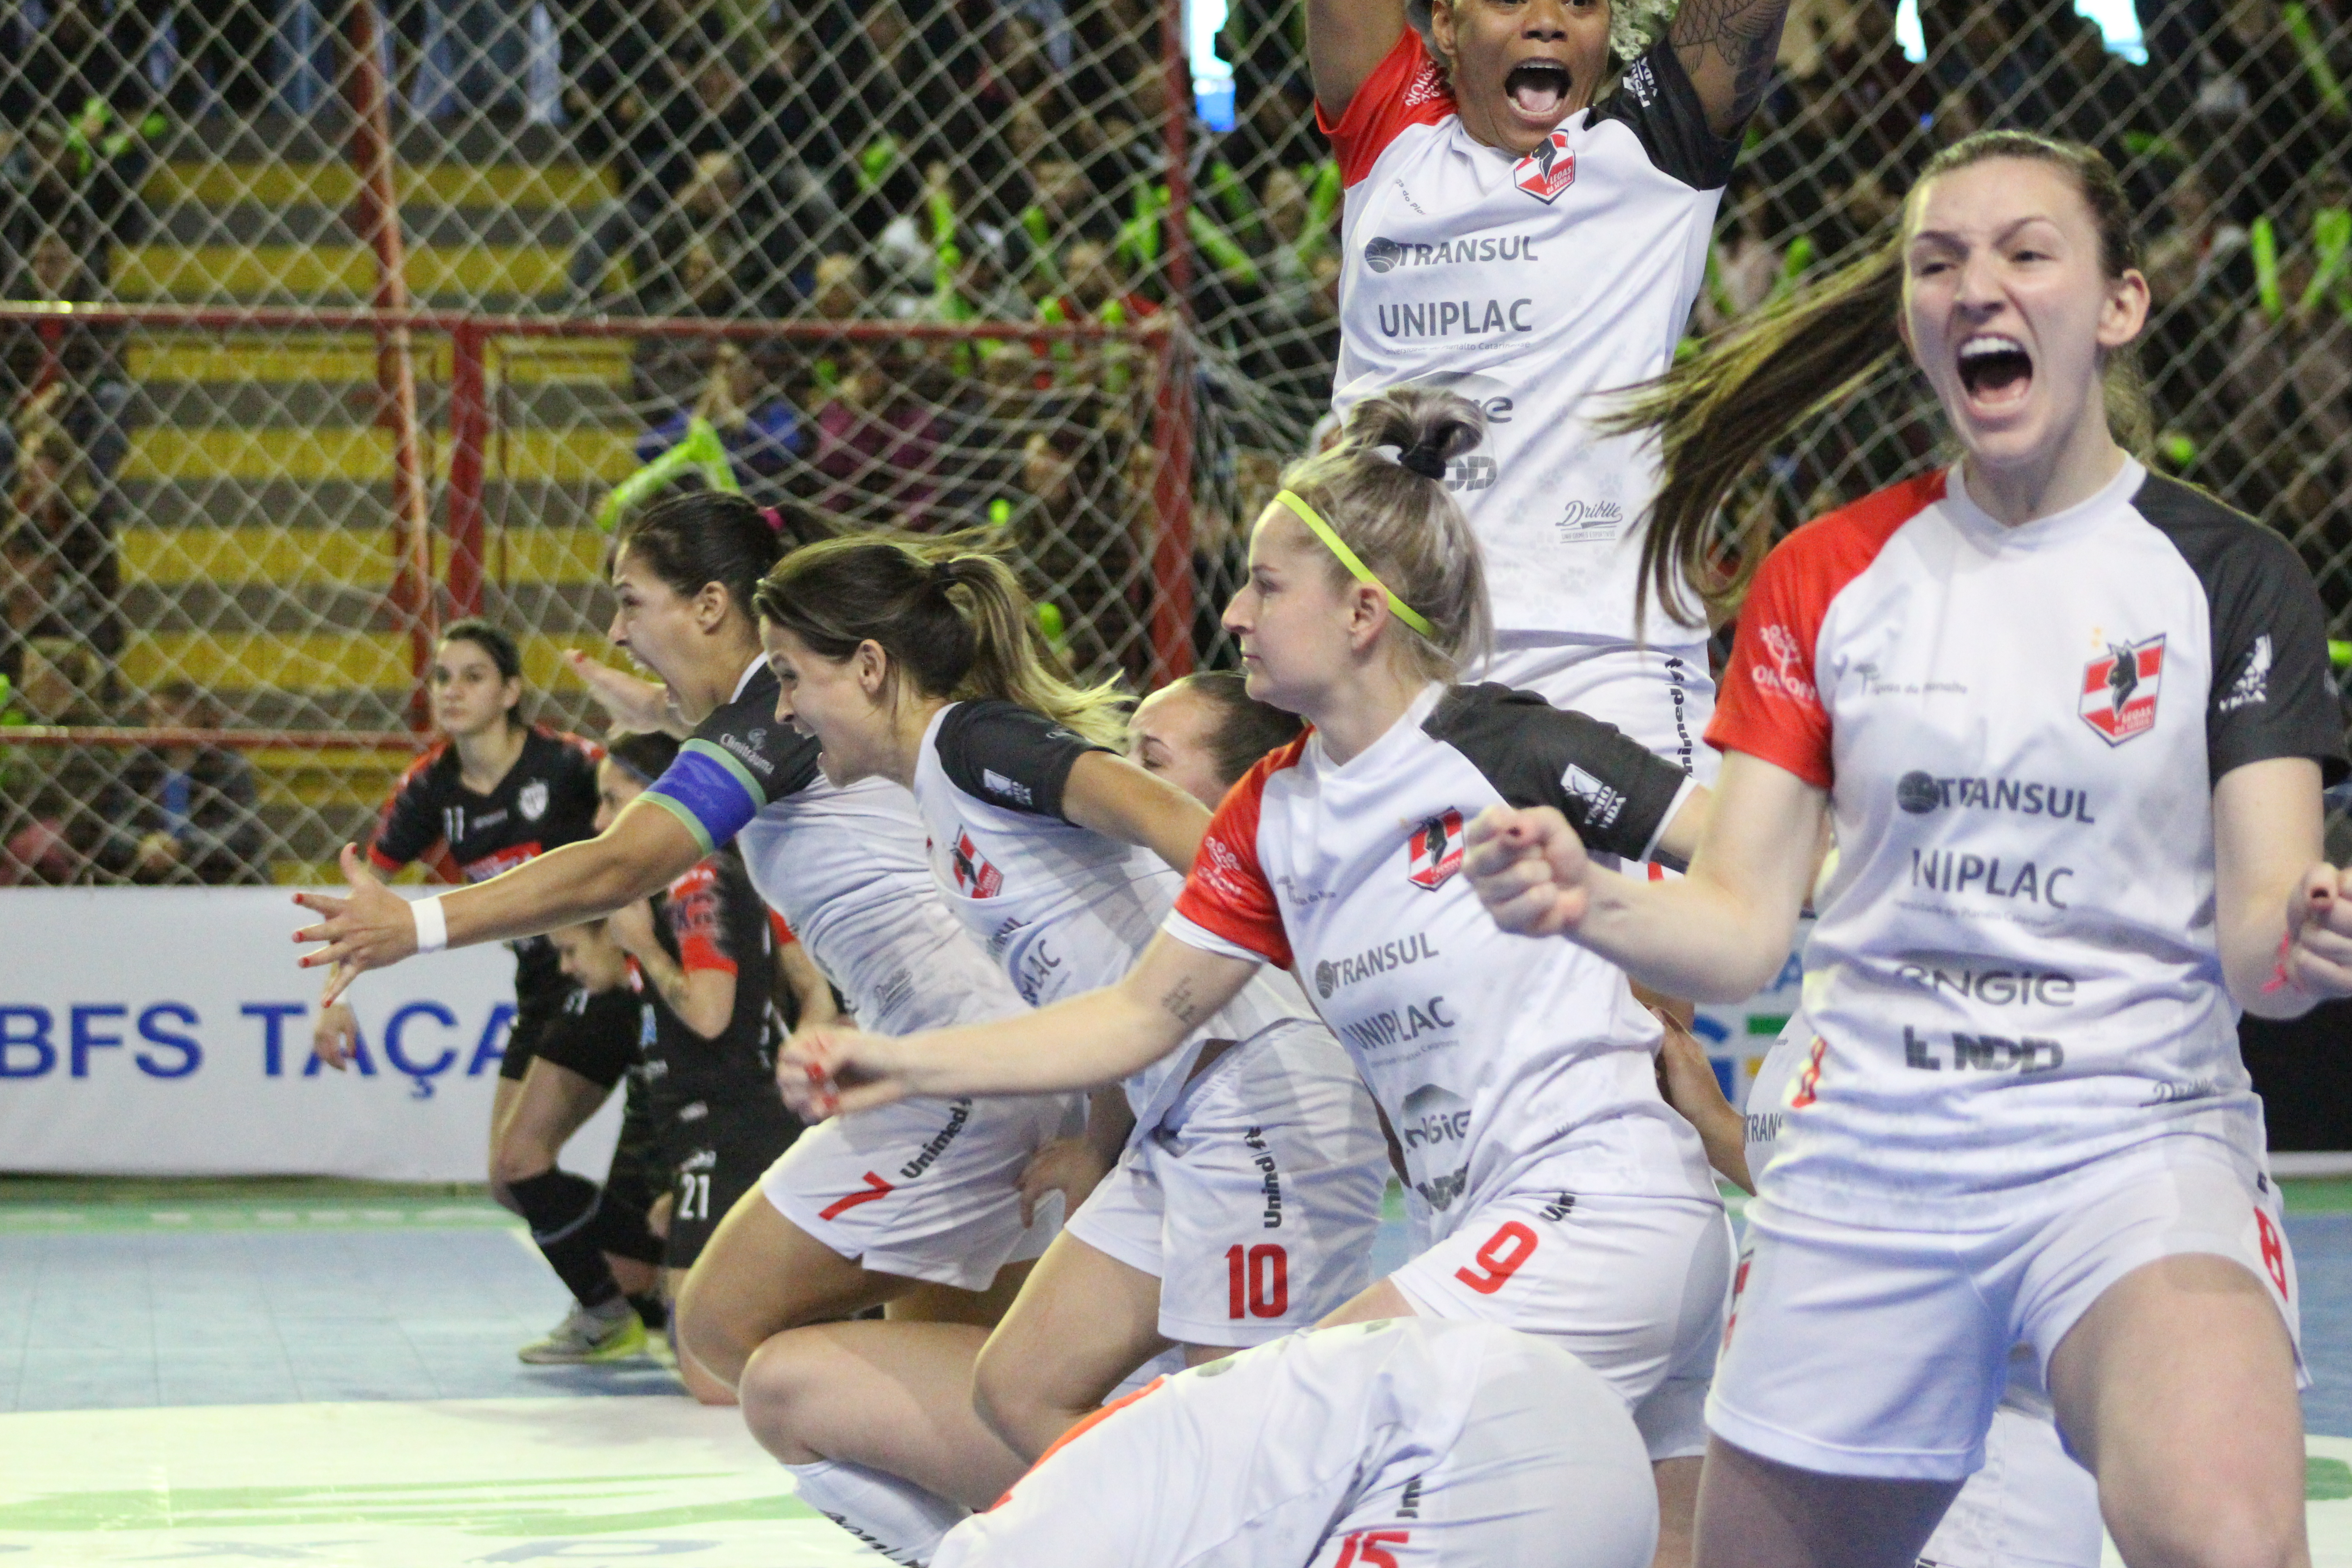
1422, 461
944, 573
773, 518
1348, 558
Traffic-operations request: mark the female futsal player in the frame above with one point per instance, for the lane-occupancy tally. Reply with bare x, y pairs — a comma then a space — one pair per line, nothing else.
1249, 1162
1507, 239
495, 792
858, 1212
1413, 1440
591, 1045
1564, 1197
2072, 720
1202, 732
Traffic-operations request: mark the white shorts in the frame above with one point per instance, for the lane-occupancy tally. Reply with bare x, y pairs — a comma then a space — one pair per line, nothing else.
1883, 1353
1256, 1201
2032, 1503
925, 1188
1634, 1287
1662, 695
1413, 1442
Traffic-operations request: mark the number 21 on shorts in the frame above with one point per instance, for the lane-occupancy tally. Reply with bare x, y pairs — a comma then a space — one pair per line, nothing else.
1257, 1281
693, 1195
1505, 1251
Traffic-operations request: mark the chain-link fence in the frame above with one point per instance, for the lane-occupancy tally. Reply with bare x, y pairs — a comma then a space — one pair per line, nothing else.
926, 263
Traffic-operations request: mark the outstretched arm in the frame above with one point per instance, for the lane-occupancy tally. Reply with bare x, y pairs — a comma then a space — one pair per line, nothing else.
1097, 1039
1718, 935
1346, 41
643, 852
1726, 48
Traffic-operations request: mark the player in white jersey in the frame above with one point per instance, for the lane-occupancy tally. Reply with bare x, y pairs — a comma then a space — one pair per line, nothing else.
1236, 1183
2071, 721
1507, 238
1565, 1198
1413, 1440
918, 1205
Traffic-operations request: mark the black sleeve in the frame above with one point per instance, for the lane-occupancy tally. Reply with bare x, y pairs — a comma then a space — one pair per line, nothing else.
1657, 102
1006, 756
2272, 695
572, 811
410, 822
1615, 792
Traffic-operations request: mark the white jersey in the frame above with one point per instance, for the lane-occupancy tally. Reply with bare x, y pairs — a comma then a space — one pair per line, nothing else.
1414, 1441
1529, 285
846, 868
1063, 909
2015, 975
1500, 1060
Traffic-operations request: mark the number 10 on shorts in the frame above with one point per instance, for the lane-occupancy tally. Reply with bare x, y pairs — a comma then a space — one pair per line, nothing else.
1257, 1281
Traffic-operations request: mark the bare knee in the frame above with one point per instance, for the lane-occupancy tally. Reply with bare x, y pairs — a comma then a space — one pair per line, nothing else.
518, 1160
1007, 1402
2209, 1526
777, 1386
707, 1334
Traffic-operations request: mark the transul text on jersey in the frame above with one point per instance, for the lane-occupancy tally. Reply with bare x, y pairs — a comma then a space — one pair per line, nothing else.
1455, 318
1382, 254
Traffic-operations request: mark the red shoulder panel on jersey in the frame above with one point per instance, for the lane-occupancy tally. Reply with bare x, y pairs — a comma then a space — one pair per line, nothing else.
1769, 705
780, 931
691, 905
1227, 892
1406, 88
590, 749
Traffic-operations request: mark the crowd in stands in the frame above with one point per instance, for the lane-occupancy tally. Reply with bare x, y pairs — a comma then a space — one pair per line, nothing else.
854, 161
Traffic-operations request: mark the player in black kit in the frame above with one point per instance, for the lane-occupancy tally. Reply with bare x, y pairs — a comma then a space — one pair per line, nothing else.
496, 792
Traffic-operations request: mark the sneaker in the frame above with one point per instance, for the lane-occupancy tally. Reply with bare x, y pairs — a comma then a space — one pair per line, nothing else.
584, 1336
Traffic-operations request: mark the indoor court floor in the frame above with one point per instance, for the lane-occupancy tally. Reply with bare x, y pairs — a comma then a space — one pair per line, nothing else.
317, 1372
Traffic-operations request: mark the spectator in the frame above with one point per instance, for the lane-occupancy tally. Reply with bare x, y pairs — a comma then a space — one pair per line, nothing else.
30, 597
48, 825
183, 811
743, 400
54, 491
1077, 534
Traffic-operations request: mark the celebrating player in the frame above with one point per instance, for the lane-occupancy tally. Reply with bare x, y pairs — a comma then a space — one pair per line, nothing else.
494, 792
1244, 1203
858, 1212
1563, 1196
1409, 1440
2072, 720
1507, 239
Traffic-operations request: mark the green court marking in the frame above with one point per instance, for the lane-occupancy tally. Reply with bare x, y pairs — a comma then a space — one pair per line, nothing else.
38, 1205
2318, 1194
506, 1508
2326, 1480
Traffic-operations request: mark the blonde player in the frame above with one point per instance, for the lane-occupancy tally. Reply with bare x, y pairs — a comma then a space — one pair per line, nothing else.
1564, 1197
2072, 721
1508, 239
1244, 1170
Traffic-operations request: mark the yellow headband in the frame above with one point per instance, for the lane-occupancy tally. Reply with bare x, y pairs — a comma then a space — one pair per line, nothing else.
1330, 536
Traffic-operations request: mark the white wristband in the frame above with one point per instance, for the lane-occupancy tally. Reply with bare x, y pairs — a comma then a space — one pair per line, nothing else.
431, 924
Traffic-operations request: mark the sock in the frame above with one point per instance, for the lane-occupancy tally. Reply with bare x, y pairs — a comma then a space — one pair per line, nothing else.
560, 1209
652, 1309
897, 1519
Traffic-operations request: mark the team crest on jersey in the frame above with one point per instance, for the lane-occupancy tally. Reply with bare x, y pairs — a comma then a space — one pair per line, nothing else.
531, 801
1547, 170
975, 878
1437, 850
2119, 689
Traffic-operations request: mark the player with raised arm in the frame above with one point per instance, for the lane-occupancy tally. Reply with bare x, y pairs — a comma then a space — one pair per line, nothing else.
2072, 720
1235, 1185
873, 1209
1376, 1444
1512, 235
493, 793
1564, 1197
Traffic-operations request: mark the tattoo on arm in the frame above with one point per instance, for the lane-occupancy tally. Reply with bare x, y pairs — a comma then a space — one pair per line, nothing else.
1737, 38
1181, 1005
